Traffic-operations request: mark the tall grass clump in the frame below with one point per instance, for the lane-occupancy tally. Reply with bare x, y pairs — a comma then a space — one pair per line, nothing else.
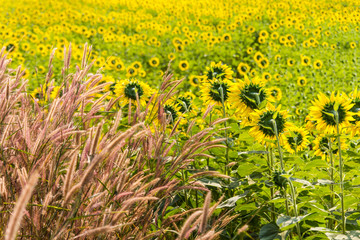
73, 167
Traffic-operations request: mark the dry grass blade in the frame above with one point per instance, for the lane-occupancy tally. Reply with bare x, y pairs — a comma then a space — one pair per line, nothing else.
187, 225
18, 213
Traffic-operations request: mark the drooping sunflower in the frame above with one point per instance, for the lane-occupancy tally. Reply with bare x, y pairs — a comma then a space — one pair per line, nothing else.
216, 92
275, 94
263, 120
246, 96
129, 88
324, 111
296, 139
218, 71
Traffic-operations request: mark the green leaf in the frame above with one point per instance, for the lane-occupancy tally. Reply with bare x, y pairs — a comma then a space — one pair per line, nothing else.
302, 181
269, 231
350, 235
246, 169
287, 222
210, 182
231, 202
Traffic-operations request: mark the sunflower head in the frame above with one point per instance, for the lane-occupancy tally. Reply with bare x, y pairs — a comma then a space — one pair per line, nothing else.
218, 71
301, 81
355, 110
322, 146
296, 139
275, 94
269, 121
248, 95
216, 92
328, 112
131, 90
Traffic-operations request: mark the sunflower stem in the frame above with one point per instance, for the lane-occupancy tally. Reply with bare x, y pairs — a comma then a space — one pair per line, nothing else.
343, 220
257, 97
221, 90
332, 180
293, 197
271, 170
278, 143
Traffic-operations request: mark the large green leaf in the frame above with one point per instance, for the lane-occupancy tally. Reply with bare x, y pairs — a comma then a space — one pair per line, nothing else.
287, 222
269, 231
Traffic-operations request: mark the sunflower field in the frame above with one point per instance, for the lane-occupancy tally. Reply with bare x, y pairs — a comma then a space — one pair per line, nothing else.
208, 119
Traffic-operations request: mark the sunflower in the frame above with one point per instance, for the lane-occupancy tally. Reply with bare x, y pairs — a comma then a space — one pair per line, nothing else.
263, 63
129, 88
194, 80
172, 112
249, 50
154, 61
243, 95
216, 92
243, 68
184, 65
218, 71
137, 65
290, 62
277, 77
305, 61
322, 147
301, 81
263, 120
324, 109
355, 125
171, 56
352, 45
296, 139
258, 56
120, 66
275, 94
184, 103
226, 37
266, 76
318, 64
131, 72
39, 95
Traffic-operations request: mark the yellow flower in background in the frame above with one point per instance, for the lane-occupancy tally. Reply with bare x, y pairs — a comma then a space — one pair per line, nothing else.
301, 81
275, 94
184, 65
154, 61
